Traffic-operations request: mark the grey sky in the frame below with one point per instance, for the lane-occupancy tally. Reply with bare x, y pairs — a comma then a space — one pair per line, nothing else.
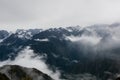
56, 13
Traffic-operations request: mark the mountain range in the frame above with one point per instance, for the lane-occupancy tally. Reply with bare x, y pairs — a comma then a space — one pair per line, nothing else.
80, 53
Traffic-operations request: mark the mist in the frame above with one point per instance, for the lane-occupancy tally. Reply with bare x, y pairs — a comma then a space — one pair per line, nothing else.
27, 58
98, 40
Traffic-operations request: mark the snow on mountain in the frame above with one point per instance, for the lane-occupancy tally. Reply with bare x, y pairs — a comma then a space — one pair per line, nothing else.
42, 40
1, 40
27, 34
75, 28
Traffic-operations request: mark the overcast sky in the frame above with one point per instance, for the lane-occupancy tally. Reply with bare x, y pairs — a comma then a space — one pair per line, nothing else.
57, 13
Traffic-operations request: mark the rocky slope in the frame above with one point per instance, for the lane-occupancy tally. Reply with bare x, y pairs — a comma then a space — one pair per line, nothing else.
14, 72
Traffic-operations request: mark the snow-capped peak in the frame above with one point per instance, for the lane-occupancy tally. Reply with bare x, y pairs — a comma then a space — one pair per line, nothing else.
75, 28
27, 34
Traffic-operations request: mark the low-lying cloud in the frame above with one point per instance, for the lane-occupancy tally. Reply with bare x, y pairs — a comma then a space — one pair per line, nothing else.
27, 58
98, 39
85, 39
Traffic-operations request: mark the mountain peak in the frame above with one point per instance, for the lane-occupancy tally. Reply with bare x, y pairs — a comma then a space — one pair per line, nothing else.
117, 24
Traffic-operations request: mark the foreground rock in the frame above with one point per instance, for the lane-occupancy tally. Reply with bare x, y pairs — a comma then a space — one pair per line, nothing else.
14, 72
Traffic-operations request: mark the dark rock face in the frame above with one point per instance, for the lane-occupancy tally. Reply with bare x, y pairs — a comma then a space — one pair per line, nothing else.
14, 72
118, 78
3, 34
3, 77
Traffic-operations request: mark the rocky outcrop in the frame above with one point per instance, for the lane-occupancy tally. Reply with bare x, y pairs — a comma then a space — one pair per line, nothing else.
15, 72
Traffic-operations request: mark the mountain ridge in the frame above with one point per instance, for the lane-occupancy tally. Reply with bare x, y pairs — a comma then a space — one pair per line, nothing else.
15, 72
73, 50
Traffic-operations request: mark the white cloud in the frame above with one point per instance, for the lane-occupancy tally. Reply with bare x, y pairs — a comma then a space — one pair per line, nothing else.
85, 39
27, 58
98, 38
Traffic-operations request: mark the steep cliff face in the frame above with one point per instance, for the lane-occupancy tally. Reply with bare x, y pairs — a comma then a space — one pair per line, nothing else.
14, 72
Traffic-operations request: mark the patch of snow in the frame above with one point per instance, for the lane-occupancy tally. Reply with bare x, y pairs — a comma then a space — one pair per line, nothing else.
75, 28
1, 40
25, 34
75, 61
42, 40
